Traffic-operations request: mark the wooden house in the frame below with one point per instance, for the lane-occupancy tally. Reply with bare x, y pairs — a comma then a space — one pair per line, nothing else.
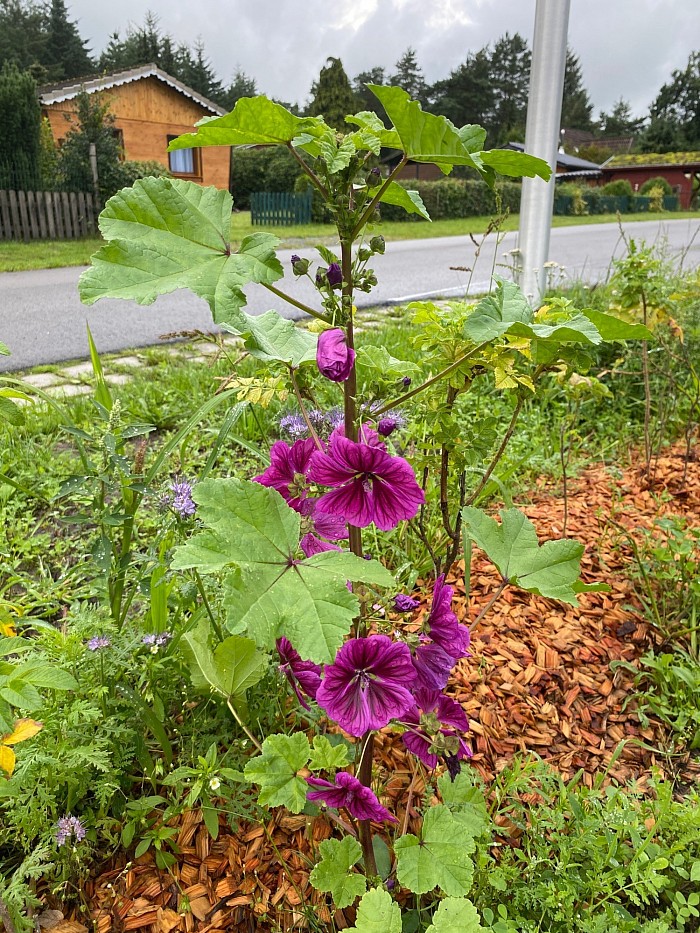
150, 108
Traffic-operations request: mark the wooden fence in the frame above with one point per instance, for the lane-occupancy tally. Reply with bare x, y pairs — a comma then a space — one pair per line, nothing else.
46, 215
280, 208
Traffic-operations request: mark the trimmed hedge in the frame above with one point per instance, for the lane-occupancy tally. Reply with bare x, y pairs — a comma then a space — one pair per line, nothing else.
453, 198
591, 201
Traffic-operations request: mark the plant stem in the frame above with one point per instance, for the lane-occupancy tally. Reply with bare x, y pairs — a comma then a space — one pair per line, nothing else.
489, 604
499, 453
203, 593
297, 304
310, 172
369, 210
364, 830
124, 559
243, 726
429, 382
304, 413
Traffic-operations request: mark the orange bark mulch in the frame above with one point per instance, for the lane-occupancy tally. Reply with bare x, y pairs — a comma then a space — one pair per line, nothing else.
538, 680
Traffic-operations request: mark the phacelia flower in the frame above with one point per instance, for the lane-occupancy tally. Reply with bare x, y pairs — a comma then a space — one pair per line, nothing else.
288, 470
294, 425
304, 676
347, 793
368, 684
99, 643
69, 827
156, 641
182, 503
443, 626
403, 603
370, 484
334, 357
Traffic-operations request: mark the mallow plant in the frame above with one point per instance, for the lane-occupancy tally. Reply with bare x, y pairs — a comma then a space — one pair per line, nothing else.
283, 551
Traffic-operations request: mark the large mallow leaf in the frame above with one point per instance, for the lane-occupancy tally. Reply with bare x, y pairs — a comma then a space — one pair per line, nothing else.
164, 234
334, 873
271, 337
455, 915
613, 328
377, 913
254, 121
425, 137
269, 590
410, 201
229, 669
516, 164
275, 771
551, 569
439, 859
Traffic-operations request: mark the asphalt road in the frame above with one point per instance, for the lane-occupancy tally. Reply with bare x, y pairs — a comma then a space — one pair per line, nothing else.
43, 321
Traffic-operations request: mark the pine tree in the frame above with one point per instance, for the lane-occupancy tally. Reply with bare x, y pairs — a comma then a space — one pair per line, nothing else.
23, 36
467, 96
619, 122
197, 73
241, 86
65, 54
366, 99
333, 98
409, 76
20, 129
510, 76
675, 113
576, 107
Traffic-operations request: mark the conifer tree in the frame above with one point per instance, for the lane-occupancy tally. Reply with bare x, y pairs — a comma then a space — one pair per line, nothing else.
576, 107
332, 95
409, 76
65, 53
20, 128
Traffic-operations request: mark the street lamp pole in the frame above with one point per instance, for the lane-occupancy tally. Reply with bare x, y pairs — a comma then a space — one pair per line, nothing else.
542, 140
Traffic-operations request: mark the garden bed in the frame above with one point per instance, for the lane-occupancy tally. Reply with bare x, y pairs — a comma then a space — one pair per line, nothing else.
539, 680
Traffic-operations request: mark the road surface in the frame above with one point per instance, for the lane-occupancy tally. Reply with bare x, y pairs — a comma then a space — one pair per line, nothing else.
43, 321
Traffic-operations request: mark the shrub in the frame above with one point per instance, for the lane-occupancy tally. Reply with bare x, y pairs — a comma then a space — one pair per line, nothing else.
269, 169
454, 198
130, 171
620, 188
657, 182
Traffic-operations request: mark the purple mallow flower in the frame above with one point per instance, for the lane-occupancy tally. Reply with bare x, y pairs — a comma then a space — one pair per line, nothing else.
312, 545
368, 684
347, 793
334, 274
69, 827
443, 626
299, 266
182, 502
403, 603
334, 357
288, 470
427, 738
98, 643
304, 676
370, 485
432, 665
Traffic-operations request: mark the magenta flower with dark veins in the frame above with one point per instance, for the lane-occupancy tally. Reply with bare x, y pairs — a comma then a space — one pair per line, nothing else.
433, 665
304, 676
403, 603
368, 684
443, 627
347, 793
370, 484
288, 469
334, 357
312, 545
427, 733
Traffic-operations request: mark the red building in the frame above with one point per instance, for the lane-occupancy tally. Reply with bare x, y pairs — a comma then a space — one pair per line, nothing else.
680, 169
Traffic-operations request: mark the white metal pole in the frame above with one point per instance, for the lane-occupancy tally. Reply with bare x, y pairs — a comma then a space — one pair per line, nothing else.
542, 140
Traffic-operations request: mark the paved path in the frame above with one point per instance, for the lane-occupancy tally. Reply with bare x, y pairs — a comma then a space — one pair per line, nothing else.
43, 321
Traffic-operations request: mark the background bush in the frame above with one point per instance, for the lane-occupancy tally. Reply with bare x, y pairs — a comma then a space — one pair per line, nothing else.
453, 198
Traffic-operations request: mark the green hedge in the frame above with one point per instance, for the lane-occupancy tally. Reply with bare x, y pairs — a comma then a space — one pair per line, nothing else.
454, 198
591, 201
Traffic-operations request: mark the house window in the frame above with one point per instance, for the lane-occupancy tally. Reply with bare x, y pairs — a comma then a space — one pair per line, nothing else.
184, 161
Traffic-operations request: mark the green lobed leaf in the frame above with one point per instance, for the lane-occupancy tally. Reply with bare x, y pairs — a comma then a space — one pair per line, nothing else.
383, 365
410, 201
275, 771
377, 913
516, 164
439, 859
271, 337
230, 669
494, 315
10, 412
372, 133
455, 915
270, 591
43, 674
466, 803
253, 121
613, 328
334, 874
164, 234
551, 569
327, 757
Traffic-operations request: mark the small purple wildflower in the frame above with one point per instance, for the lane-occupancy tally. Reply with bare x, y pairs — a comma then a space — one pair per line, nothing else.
335, 418
406, 381
403, 603
156, 641
347, 793
182, 502
294, 425
69, 827
98, 642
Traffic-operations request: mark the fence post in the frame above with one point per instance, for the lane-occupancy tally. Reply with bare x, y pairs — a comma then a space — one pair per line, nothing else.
95, 176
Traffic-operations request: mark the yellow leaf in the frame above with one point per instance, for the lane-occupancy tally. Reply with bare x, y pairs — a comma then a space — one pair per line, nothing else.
24, 729
7, 760
6, 628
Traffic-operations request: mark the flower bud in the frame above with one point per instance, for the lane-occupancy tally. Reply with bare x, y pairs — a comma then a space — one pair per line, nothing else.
374, 178
387, 426
334, 275
377, 244
363, 253
299, 266
333, 356
406, 381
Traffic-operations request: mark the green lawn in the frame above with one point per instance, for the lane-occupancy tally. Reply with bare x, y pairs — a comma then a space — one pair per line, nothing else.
42, 254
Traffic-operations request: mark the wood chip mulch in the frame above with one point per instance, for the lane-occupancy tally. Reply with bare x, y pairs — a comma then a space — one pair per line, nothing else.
538, 680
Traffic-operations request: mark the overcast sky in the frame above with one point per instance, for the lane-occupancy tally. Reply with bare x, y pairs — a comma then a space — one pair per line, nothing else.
627, 48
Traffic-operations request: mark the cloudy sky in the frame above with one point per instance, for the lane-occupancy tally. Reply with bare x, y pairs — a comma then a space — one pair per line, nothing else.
627, 48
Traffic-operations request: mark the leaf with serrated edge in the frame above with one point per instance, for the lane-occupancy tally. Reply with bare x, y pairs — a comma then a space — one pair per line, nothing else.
465, 802
455, 915
233, 666
253, 121
410, 201
166, 233
327, 757
275, 771
377, 913
494, 315
516, 164
271, 337
439, 859
613, 328
334, 875
271, 592
550, 569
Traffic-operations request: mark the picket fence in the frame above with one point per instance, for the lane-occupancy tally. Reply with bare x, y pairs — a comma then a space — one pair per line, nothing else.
280, 208
47, 215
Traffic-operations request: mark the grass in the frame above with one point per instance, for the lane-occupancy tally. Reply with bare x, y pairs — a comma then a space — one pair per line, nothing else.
42, 254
